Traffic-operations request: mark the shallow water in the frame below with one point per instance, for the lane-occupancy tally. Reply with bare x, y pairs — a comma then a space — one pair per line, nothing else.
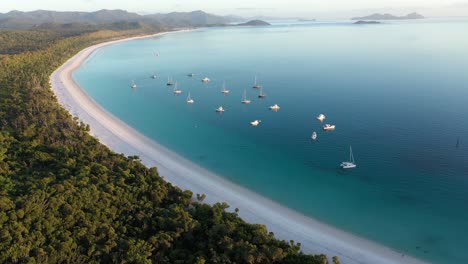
397, 93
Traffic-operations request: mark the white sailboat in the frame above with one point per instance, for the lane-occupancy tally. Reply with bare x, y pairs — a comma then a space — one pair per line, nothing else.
261, 94
224, 90
190, 99
349, 164
134, 86
220, 109
244, 99
177, 91
169, 81
206, 80
153, 76
256, 84
314, 136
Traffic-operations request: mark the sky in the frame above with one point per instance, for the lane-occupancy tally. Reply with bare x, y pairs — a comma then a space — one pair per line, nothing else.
279, 8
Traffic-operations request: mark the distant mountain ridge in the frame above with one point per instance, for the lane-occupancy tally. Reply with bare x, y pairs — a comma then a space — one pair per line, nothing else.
33, 19
378, 16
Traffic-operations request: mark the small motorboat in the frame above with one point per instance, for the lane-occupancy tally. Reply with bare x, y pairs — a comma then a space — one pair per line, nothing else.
191, 74
206, 80
314, 136
321, 117
255, 123
275, 107
328, 127
220, 109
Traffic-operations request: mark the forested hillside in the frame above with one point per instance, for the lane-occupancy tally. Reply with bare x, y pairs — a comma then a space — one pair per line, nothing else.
64, 197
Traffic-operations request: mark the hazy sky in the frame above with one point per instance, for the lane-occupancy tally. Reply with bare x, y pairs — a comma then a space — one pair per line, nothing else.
303, 8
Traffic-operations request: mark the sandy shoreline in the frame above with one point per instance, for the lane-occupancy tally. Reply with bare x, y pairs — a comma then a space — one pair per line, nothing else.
315, 237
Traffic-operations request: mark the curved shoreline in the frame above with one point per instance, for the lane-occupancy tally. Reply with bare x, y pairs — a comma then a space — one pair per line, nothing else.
315, 237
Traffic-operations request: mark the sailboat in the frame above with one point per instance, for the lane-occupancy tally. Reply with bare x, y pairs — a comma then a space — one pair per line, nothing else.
349, 164
220, 109
224, 91
256, 85
189, 99
169, 81
134, 86
153, 76
261, 94
244, 99
177, 91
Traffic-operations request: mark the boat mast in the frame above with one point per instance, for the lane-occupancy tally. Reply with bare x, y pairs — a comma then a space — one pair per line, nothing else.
351, 157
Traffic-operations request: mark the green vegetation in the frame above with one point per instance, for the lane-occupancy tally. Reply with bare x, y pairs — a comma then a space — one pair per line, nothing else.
64, 197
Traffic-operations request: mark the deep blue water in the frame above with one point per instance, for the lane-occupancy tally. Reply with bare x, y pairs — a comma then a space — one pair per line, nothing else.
397, 92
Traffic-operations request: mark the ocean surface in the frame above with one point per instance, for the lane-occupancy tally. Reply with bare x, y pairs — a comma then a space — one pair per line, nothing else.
397, 92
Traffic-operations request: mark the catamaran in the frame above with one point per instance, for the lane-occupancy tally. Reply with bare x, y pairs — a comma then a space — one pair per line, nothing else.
177, 91
244, 99
169, 81
224, 91
256, 85
189, 99
275, 107
220, 109
261, 94
349, 164
255, 123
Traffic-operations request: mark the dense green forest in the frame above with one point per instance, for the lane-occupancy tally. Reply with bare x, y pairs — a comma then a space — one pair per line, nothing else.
64, 197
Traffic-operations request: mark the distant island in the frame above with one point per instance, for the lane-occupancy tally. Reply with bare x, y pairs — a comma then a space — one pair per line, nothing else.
255, 23
377, 16
363, 22
306, 20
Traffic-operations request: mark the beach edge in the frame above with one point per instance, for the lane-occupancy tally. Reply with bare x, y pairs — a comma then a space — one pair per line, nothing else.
315, 237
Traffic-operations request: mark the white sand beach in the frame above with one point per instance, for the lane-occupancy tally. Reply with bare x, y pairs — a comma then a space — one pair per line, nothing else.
315, 237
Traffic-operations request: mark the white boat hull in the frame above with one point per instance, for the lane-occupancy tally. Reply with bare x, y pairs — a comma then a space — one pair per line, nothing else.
347, 165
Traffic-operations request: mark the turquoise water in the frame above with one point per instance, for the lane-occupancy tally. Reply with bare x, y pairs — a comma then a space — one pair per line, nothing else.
397, 92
